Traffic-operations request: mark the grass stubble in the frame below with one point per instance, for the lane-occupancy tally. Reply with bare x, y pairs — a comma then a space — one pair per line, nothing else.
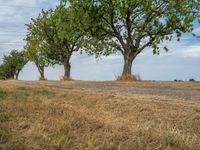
47, 118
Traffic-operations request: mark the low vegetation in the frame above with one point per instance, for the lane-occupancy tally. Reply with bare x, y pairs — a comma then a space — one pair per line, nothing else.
128, 77
47, 116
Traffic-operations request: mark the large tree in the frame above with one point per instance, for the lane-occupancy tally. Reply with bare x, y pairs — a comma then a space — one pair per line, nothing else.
130, 26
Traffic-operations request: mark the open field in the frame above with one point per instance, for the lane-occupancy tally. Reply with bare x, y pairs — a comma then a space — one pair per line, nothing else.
58, 115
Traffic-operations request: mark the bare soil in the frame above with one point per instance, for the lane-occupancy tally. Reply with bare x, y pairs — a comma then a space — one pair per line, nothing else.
182, 90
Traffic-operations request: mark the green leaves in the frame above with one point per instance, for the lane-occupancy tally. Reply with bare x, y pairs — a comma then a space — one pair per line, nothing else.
53, 37
36, 42
12, 65
65, 34
102, 27
137, 24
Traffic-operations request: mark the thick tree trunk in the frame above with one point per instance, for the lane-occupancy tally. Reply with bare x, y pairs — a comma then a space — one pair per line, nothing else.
67, 68
128, 60
12, 77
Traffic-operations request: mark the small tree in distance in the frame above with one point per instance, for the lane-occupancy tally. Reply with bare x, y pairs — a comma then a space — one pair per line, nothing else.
13, 63
4, 74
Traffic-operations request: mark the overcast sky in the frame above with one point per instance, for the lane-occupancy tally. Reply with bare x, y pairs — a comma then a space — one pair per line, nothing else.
181, 62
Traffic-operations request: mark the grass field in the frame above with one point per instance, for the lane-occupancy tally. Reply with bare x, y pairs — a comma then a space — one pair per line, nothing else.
52, 115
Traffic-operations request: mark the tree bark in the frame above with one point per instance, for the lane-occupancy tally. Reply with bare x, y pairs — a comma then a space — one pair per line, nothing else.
41, 70
127, 70
67, 67
129, 56
17, 75
12, 77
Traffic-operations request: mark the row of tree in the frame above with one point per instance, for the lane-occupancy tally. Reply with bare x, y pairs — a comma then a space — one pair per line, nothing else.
103, 27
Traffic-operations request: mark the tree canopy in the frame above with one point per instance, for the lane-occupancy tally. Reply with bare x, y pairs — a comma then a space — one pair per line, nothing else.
36, 42
12, 65
57, 34
130, 26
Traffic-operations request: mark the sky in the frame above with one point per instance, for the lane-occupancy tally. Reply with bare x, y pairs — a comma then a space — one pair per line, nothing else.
182, 62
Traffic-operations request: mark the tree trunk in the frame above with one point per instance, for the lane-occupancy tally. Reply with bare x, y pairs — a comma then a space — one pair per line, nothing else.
41, 70
17, 75
12, 76
67, 68
128, 60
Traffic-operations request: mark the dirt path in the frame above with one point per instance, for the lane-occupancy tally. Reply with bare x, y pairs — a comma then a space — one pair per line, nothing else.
182, 90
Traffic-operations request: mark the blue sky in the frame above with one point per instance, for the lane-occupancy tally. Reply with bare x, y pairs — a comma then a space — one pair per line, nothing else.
181, 62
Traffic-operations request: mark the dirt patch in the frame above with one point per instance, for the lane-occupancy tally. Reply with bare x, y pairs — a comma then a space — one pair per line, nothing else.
186, 90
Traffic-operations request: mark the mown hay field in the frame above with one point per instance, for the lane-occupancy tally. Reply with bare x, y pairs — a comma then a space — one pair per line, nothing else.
50, 115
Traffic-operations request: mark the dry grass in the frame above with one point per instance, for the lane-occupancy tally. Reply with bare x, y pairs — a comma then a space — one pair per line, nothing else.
51, 118
42, 79
64, 78
129, 78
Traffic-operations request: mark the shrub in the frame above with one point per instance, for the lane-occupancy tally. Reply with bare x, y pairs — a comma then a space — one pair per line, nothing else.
192, 80
178, 80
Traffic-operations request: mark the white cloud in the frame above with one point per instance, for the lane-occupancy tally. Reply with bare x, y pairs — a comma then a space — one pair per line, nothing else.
22, 3
112, 57
15, 14
197, 31
190, 51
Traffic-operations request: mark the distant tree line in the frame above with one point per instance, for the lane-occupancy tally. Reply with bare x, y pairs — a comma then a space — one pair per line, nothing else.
104, 27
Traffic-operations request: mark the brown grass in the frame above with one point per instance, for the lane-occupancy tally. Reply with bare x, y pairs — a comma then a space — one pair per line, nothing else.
42, 79
52, 118
129, 78
64, 78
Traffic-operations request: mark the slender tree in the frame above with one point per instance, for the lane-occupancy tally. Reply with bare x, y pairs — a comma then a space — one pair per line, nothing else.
36, 43
64, 37
35, 55
130, 26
